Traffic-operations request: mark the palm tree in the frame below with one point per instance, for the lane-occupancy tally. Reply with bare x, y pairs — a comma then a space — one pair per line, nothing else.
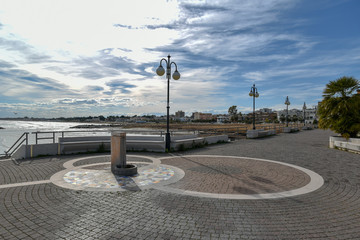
340, 108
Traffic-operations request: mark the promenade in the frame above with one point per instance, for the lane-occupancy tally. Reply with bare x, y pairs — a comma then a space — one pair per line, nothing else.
289, 186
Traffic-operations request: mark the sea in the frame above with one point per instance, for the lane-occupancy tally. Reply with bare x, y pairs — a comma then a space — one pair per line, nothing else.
14, 129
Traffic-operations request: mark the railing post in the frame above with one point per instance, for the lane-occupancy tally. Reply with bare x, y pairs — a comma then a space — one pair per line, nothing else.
26, 142
36, 138
53, 137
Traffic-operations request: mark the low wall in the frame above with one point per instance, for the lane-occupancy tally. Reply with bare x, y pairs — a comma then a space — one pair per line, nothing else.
192, 141
290, 130
216, 139
351, 144
259, 133
70, 145
29, 151
21, 153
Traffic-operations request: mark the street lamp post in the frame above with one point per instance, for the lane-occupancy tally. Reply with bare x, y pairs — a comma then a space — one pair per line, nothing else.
176, 75
254, 93
304, 108
287, 102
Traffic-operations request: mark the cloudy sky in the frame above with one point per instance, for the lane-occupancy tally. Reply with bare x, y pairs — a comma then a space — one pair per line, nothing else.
98, 57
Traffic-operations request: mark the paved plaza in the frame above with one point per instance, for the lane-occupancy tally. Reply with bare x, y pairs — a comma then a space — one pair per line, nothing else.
289, 186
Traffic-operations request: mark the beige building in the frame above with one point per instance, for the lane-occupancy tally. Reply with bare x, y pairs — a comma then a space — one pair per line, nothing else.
202, 116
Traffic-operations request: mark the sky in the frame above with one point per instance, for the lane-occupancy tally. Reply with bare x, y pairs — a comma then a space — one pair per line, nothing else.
99, 57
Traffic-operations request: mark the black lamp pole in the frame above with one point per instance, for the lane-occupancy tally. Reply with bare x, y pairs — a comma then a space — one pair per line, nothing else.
176, 75
254, 93
304, 108
287, 102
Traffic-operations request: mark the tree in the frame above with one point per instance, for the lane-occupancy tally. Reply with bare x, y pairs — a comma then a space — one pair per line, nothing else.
240, 116
340, 107
233, 113
111, 118
295, 118
282, 118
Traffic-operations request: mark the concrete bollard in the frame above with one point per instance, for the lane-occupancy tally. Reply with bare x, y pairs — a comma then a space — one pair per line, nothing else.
118, 156
118, 150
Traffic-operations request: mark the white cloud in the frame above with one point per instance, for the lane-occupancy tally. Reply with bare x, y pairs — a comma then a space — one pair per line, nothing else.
103, 54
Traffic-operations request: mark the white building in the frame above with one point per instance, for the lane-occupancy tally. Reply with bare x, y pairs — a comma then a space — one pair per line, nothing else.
222, 118
266, 110
311, 115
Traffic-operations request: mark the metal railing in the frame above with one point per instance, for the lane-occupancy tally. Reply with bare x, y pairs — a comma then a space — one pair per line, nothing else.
39, 135
236, 130
23, 138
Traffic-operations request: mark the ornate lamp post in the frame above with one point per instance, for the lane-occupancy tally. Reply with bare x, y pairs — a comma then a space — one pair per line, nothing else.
304, 108
287, 102
176, 75
254, 93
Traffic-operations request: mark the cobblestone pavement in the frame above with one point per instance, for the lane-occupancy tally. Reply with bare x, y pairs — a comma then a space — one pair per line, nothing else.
225, 175
45, 211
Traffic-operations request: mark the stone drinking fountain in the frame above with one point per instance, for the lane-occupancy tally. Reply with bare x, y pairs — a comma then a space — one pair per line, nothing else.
118, 156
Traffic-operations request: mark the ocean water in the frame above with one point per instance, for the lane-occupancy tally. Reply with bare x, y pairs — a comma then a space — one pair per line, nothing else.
14, 129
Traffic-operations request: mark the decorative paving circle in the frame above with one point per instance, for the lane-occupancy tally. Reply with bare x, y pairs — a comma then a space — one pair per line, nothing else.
240, 177
105, 179
98, 176
196, 175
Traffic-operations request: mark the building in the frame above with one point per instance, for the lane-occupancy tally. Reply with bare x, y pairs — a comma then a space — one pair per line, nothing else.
266, 110
179, 114
222, 118
263, 117
291, 114
311, 115
202, 116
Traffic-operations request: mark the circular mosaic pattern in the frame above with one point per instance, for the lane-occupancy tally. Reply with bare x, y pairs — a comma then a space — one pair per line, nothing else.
105, 179
197, 175
98, 176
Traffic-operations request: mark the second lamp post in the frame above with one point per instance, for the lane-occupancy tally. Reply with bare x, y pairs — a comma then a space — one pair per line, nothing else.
254, 93
176, 75
304, 109
287, 103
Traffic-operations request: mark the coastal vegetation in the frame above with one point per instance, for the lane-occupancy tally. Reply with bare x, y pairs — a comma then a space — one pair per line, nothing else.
234, 117
340, 107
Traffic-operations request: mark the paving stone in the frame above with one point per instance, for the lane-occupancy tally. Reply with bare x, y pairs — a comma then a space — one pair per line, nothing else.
46, 211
